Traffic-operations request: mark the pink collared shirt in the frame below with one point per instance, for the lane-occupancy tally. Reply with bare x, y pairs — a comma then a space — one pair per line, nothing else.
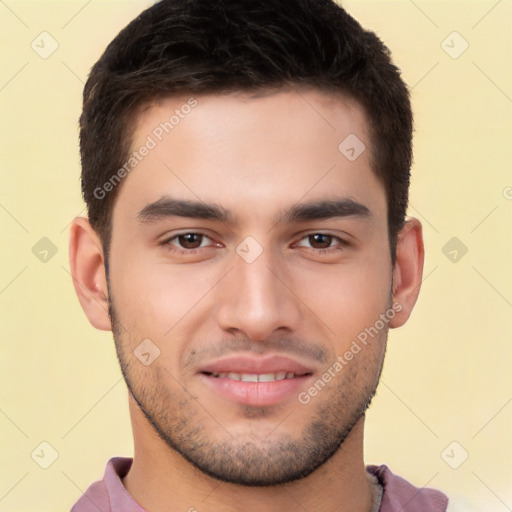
398, 495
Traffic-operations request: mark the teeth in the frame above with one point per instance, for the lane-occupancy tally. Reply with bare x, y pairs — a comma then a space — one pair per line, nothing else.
249, 377
255, 377
267, 377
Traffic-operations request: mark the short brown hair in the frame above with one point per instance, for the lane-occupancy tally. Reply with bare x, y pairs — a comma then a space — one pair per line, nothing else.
218, 46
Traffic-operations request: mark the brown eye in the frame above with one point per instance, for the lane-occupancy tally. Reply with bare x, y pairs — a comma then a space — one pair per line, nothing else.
320, 241
190, 240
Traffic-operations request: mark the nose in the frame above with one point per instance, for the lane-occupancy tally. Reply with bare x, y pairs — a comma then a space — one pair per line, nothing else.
257, 299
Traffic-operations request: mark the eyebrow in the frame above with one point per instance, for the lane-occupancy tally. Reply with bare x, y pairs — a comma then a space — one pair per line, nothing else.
169, 207
316, 210
324, 209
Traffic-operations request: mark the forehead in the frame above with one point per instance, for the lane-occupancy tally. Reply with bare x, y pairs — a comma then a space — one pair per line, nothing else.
250, 153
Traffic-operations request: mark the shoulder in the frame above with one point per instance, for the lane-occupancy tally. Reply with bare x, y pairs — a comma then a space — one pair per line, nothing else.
109, 494
94, 498
400, 495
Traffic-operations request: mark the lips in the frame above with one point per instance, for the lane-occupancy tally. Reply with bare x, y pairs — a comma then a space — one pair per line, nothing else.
256, 365
254, 377
256, 381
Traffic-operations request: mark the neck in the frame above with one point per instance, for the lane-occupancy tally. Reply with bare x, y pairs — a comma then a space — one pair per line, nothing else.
160, 476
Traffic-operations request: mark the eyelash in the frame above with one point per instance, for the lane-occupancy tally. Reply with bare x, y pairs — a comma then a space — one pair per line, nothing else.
182, 251
341, 243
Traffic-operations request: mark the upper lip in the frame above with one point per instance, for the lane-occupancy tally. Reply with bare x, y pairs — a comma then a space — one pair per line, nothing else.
256, 365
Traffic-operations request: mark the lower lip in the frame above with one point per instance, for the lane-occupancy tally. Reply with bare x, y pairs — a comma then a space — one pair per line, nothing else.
257, 394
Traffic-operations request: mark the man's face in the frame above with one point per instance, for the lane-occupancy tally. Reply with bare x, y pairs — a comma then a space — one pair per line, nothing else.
252, 252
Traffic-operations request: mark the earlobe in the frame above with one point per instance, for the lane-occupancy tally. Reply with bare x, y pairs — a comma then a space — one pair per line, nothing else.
87, 264
408, 271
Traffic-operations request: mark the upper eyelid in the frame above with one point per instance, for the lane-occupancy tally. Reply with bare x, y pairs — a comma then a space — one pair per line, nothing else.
171, 239
168, 238
338, 238
300, 237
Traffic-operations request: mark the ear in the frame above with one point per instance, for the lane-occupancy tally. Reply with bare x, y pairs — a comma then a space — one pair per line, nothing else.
408, 271
87, 264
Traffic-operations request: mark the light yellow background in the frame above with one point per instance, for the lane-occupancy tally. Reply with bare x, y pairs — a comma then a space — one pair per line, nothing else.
447, 375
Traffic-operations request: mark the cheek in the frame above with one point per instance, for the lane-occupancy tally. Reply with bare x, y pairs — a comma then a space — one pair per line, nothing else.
151, 298
347, 298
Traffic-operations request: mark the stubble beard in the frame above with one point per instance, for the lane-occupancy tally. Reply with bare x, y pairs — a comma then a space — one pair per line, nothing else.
185, 425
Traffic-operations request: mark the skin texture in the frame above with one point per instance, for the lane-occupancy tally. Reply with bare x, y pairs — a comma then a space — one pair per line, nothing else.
256, 157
